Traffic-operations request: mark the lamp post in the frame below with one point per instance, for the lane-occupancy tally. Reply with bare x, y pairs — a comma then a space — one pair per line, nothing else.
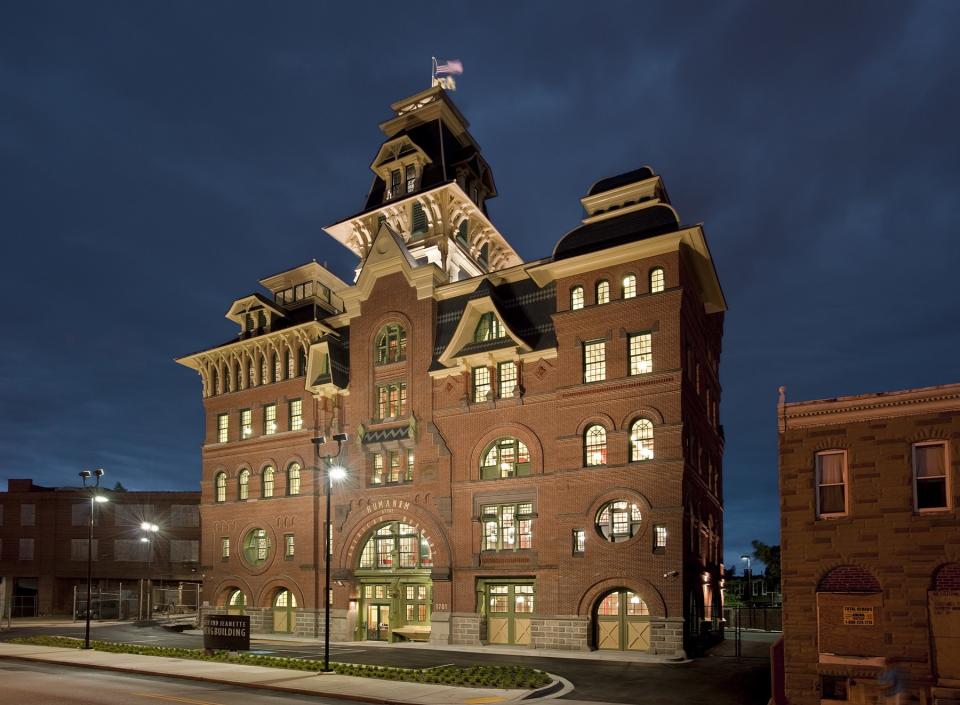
331, 473
150, 533
95, 497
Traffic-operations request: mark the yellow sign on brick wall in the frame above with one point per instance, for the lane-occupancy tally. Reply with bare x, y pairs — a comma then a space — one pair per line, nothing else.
858, 616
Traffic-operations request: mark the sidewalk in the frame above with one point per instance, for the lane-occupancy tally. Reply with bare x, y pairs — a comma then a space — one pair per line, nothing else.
371, 690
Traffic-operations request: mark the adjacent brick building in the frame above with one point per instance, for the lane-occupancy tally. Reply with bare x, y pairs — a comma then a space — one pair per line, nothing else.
870, 538
43, 546
534, 453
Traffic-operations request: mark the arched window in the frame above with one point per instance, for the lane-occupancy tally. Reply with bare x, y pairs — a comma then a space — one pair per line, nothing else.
244, 484
595, 445
220, 482
618, 520
268, 481
603, 292
256, 547
505, 457
391, 344
396, 545
656, 280
576, 297
629, 286
293, 479
489, 327
641, 440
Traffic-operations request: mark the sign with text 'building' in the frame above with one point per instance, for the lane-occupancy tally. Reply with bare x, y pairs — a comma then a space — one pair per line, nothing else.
230, 632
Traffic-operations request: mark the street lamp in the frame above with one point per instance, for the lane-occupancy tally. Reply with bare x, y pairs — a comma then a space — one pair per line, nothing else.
748, 593
95, 497
150, 532
338, 473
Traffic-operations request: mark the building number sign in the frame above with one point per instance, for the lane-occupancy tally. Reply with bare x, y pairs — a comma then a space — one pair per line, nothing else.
858, 616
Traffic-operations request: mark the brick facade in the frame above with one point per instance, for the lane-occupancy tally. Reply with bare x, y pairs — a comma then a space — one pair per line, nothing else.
437, 286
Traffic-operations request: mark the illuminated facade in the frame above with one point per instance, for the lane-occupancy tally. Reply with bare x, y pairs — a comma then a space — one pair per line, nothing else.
534, 449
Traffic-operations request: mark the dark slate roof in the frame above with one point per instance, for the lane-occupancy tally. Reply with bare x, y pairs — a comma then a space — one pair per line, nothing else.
612, 182
618, 230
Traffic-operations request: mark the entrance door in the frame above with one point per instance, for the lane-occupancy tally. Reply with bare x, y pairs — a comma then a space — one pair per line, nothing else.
284, 612
623, 622
378, 622
509, 607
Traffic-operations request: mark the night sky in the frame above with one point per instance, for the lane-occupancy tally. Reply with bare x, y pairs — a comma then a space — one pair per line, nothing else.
157, 159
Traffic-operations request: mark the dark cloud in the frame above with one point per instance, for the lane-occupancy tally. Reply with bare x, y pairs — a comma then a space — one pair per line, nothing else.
159, 159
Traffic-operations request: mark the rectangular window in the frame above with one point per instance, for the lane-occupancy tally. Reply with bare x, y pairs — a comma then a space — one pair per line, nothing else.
288, 546
641, 355
579, 541
28, 515
659, 538
296, 414
26, 550
481, 384
223, 428
224, 548
594, 361
832, 483
507, 527
507, 378
377, 477
246, 423
269, 419
392, 400
931, 490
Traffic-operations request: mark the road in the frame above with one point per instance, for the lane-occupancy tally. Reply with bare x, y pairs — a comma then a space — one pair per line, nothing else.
50, 684
716, 679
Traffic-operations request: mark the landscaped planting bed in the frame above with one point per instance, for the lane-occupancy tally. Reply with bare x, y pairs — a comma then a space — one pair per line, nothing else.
470, 676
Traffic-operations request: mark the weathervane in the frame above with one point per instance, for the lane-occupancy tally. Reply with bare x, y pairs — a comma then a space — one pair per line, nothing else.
443, 73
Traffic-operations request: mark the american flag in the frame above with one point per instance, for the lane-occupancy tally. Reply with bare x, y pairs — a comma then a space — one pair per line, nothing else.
451, 67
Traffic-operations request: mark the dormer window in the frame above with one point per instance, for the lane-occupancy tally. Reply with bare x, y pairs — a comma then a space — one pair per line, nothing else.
488, 328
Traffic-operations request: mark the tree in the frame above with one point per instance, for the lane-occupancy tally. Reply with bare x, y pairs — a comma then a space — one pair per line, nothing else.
769, 556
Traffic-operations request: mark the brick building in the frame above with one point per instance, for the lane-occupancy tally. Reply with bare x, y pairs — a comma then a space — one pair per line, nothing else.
43, 546
534, 451
871, 546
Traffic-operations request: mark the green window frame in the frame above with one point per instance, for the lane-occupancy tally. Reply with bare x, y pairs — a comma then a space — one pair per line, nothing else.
505, 457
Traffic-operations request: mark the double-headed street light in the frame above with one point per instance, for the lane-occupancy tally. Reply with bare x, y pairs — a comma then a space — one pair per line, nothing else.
150, 533
338, 473
95, 497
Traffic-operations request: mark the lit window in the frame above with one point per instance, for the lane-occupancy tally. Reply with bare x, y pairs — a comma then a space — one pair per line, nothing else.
641, 355
256, 547
594, 361
392, 400
293, 479
481, 384
576, 298
595, 445
221, 486
489, 327
269, 419
224, 548
603, 292
618, 521
641, 440
223, 428
507, 378
505, 457
579, 541
629, 286
930, 476
377, 477
244, 484
296, 414
391, 344
246, 423
288, 546
656, 280
507, 527
396, 545
268, 481
659, 537
831, 483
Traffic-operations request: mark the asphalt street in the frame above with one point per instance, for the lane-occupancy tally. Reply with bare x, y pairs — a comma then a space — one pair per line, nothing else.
716, 679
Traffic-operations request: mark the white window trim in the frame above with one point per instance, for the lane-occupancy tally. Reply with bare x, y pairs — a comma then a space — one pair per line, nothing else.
846, 485
947, 474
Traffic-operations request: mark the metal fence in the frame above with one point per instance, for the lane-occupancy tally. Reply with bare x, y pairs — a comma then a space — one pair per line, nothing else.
767, 619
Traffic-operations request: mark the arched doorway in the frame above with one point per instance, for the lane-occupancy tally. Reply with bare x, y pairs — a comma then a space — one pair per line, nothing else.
284, 611
236, 602
395, 588
622, 622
